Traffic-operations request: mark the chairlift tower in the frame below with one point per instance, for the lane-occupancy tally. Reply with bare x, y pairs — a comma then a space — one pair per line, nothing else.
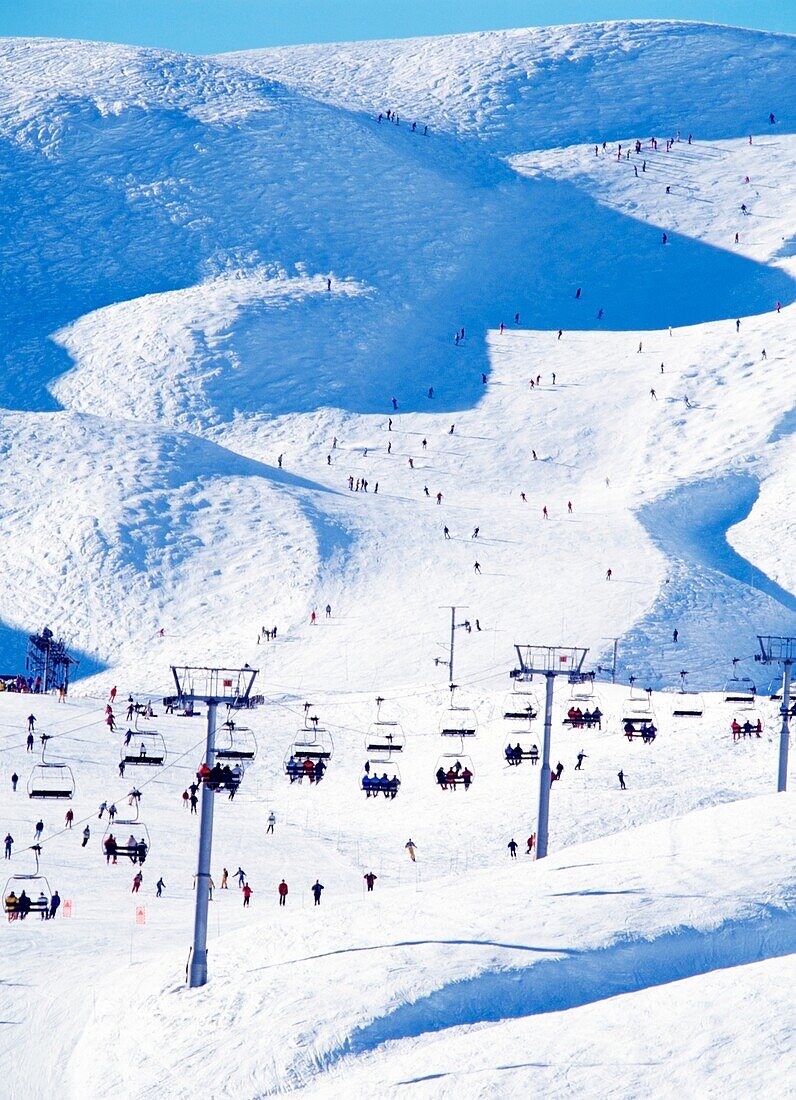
465, 625
781, 651
547, 661
211, 686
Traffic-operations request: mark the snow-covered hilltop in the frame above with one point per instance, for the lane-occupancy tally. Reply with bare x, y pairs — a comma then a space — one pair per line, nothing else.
169, 227
502, 321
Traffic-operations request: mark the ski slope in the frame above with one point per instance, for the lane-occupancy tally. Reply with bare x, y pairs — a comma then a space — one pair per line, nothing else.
229, 289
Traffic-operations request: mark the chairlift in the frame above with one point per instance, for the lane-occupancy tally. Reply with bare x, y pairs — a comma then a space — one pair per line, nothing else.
51, 781
527, 751
739, 689
747, 722
458, 721
583, 696
454, 769
380, 776
129, 834
521, 705
145, 747
32, 884
312, 743
687, 704
237, 743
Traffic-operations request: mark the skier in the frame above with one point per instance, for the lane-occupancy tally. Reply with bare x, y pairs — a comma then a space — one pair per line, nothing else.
317, 890
247, 893
328, 611
608, 574
569, 507
279, 461
430, 391
9, 840
31, 723
138, 878
55, 903
502, 328
600, 314
394, 408
112, 696
675, 635
439, 498
475, 532
69, 818
451, 429
653, 395
621, 777
512, 847
544, 512
476, 567
313, 619
738, 325
577, 293
282, 892
531, 844
14, 781
370, 878
39, 828
271, 822
86, 836
559, 769
328, 284
160, 886
560, 333
112, 811
121, 768
483, 378
241, 877
410, 847
446, 532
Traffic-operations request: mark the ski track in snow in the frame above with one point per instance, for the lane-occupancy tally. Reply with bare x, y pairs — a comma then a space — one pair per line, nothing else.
170, 224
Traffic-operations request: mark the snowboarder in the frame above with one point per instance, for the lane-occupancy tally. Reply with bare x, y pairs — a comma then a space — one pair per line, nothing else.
86, 836
370, 878
317, 890
581, 758
271, 822
282, 892
410, 847
512, 847
621, 777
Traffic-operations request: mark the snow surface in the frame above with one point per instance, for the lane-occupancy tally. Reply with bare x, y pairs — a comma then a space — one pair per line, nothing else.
168, 332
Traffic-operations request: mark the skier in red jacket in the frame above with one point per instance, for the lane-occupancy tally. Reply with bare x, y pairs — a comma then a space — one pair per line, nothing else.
282, 892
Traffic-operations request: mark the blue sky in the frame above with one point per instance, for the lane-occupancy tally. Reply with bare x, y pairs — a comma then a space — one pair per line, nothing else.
210, 26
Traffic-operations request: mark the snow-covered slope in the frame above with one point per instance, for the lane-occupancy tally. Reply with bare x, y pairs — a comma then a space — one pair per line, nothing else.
231, 295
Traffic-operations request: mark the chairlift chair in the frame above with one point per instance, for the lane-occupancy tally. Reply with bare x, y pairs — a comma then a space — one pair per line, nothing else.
747, 722
33, 883
740, 689
122, 829
458, 722
146, 747
237, 743
458, 763
386, 737
380, 776
520, 706
688, 704
51, 781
